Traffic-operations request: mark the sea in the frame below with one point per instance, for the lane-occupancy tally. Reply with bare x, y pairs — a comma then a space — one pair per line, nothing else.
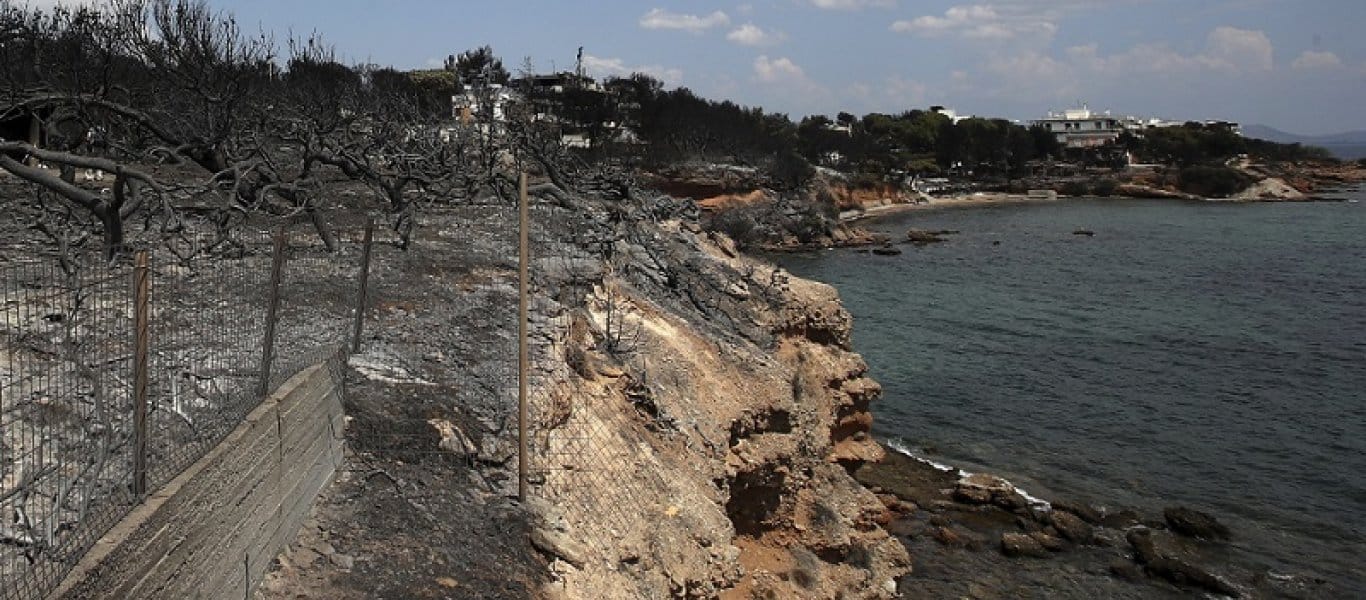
1197, 354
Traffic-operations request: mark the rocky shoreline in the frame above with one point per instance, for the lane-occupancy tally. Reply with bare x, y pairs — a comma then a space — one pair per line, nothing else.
978, 536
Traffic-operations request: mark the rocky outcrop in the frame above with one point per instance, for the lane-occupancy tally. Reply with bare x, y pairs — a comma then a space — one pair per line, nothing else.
1269, 189
711, 408
1135, 190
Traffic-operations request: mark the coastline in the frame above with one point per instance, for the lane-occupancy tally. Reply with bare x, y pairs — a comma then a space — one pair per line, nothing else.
978, 200
958, 551
990, 199
976, 535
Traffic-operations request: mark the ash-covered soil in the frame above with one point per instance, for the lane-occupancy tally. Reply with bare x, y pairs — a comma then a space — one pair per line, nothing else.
425, 505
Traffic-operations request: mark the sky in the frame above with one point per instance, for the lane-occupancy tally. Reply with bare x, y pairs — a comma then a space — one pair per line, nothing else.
1298, 65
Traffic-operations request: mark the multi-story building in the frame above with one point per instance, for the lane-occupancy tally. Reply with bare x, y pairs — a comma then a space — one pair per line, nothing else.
1082, 127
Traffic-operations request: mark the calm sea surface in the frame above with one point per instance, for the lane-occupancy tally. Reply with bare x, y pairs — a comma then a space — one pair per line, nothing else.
1198, 354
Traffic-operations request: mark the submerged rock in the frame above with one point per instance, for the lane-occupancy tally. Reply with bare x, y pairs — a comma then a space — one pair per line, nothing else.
921, 237
1193, 523
1167, 561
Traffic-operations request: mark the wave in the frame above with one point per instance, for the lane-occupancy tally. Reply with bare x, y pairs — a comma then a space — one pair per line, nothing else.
900, 445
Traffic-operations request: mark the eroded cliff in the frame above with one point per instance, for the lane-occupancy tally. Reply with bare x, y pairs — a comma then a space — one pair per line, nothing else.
698, 414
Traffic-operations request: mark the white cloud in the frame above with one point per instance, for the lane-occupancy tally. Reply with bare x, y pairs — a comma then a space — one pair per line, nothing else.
1226, 49
852, 4
1239, 50
982, 22
1316, 60
662, 19
616, 67
778, 70
750, 34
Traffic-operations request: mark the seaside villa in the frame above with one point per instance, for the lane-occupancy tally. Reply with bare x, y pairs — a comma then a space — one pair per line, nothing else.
1082, 128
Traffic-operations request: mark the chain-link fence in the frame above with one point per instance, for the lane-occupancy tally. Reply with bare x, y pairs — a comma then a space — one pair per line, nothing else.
585, 449
114, 379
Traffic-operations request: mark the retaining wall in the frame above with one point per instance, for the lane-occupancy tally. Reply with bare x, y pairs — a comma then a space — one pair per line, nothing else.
213, 531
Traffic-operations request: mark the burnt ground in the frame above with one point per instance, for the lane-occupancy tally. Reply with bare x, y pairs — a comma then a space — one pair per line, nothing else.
425, 505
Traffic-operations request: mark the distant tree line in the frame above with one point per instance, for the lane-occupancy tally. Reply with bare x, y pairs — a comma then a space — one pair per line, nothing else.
1195, 144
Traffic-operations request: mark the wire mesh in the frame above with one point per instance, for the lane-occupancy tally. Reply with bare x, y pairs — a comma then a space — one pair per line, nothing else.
585, 448
65, 417
67, 402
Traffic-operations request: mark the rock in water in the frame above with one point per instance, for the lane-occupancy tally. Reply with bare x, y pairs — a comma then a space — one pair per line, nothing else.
920, 237
981, 488
1194, 523
1019, 544
1166, 562
1071, 527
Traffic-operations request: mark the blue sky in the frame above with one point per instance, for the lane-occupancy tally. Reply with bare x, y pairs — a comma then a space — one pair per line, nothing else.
1299, 65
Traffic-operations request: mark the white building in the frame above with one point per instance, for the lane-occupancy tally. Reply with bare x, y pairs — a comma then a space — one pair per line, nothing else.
1083, 128
952, 114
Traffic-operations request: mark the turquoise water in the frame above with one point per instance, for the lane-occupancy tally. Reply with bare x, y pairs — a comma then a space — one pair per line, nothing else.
1198, 354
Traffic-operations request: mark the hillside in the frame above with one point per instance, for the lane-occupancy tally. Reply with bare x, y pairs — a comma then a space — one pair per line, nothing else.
1349, 145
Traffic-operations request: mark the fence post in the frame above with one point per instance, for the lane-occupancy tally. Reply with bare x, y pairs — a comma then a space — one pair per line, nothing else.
522, 359
362, 295
277, 267
142, 284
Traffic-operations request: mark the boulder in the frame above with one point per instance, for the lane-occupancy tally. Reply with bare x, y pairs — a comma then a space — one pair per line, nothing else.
1088, 514
981, 488
1193, 523
1071, 527
947, 537
1168, 562
1019, 544
1049, 543
559, 545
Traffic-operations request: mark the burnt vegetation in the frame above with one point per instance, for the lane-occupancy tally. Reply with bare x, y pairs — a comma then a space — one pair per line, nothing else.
188, 115
162, 112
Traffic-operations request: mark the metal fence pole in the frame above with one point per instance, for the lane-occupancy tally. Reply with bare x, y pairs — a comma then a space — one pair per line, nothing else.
142, 285
362, 295
277, 268
522, 359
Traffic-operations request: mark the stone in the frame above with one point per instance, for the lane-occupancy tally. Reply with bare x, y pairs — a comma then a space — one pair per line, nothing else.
980, 488
342, 561
1071, 527
972, 495
887, 251
947, 536
1168, 562
1019, 544
1088, 514
1049, 543
1193, 523
1011, 501
559, 545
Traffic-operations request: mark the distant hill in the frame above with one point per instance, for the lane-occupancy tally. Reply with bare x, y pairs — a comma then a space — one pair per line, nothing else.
1350, 145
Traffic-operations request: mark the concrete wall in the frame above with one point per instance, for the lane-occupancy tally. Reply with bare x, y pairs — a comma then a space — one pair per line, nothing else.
214, 530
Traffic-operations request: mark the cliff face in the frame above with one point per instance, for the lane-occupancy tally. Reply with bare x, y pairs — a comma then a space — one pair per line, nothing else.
698, 414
